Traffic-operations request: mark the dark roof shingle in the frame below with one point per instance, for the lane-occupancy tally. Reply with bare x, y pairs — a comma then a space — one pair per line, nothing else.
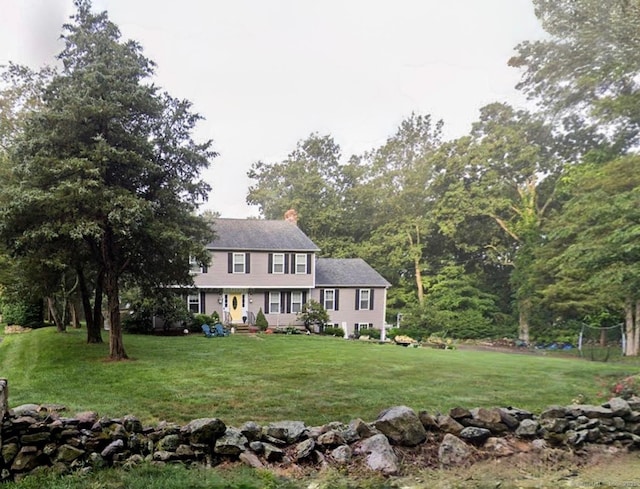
347, 272
259, 234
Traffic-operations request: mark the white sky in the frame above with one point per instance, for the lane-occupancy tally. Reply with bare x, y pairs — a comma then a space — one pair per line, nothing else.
267, 73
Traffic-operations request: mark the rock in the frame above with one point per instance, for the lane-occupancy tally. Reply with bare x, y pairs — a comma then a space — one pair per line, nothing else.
331, 438
288, 431
185, 452
555, 425
35, 438
379, 454
553, 412
256, 446
251, 459
132, 424
27, 459
459, 413
454, 452
589, 411
169, 443
272, 453
96, 460
9, 452
304, 449
67, 454
449, 425
162, 456
87, 418
508, 419
539, 444
112, 448
26, 410
498, 447
619, 407
429, 422
204, 431
475, 434
233, 442
517, 413
342, 454
251, 430
401, 425
527, 428
362, 429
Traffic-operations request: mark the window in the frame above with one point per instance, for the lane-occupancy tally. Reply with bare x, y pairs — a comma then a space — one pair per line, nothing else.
301, 263
278, 263
329, 299
364, 299
239, 263
274, 302
296, 302
193, 303
360, 327
196, 266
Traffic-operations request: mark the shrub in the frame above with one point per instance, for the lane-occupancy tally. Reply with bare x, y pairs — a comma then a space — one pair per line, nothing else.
333, 331
195, 326
22, 313
261, 321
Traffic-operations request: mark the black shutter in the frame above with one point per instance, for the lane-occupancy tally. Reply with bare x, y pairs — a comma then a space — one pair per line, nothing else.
322, 297
292, 259
283, 302
286, 263
247, 263
336, 300
204, 268
357, 299
230, 262
270, 270
371, 299
304, 297
266, 302
309, 263
203, 295
288, 301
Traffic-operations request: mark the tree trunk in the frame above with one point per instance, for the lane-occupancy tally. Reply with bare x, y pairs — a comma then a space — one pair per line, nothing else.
524, 314
116, 345
636, 323
419, 285
51, 305
73, 311
630, 329
94, 334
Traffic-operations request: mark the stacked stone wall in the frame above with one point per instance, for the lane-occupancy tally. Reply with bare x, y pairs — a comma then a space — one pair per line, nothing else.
34, 436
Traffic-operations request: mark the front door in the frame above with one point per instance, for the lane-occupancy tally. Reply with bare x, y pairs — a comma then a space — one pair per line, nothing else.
236, 307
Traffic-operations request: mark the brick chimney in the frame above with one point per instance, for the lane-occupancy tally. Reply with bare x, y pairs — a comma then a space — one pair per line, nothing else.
292, 216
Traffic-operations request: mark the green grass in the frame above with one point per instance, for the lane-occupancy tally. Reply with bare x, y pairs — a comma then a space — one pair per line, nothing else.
277, 377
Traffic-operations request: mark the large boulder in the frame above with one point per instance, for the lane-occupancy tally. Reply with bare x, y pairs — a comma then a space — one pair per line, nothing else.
453, 451
401, 425
233, 442
287, 431
204, 431
379, 454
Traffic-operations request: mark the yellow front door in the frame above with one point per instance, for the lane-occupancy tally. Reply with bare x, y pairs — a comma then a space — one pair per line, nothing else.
235, 307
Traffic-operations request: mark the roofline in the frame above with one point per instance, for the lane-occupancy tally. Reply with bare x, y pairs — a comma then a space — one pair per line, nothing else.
263, 250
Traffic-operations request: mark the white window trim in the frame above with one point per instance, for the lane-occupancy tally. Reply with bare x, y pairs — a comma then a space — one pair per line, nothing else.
294, 303
301, 259
193, 299
361, 301
194, 265
333, 300
238, 262
273, 264
271, 302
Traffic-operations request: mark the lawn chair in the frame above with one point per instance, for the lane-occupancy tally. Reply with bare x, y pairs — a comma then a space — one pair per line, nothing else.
218, 330
207, 331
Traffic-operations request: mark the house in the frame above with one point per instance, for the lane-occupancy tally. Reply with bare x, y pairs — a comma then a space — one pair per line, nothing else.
272, 265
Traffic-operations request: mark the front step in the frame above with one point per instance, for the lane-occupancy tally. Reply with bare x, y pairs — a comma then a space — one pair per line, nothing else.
239, 328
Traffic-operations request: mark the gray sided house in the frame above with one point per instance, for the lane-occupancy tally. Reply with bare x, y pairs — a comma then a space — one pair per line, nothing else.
272, 265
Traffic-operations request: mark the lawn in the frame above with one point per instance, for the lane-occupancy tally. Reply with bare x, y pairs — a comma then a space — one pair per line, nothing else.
277, 377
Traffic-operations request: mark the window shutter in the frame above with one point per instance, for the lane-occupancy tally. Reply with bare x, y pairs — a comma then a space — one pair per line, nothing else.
309, 263
304, 297
286, 263
202, 300
371, 299
270, 265
266, 302
336, 302
204, 269
322, 297
370, 325
288, 302
294, 266
230, 262
283, 302
247, 263
357, 299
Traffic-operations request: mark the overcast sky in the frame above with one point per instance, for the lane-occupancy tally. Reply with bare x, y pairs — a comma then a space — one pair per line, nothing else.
267, 73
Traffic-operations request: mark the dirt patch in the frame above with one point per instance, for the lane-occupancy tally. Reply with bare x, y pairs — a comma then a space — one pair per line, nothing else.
16, 330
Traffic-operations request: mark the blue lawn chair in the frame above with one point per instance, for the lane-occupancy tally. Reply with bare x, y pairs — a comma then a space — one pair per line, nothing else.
218, 330
207, 331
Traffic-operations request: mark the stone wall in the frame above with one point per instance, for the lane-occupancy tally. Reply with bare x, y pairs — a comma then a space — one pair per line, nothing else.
34, 436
